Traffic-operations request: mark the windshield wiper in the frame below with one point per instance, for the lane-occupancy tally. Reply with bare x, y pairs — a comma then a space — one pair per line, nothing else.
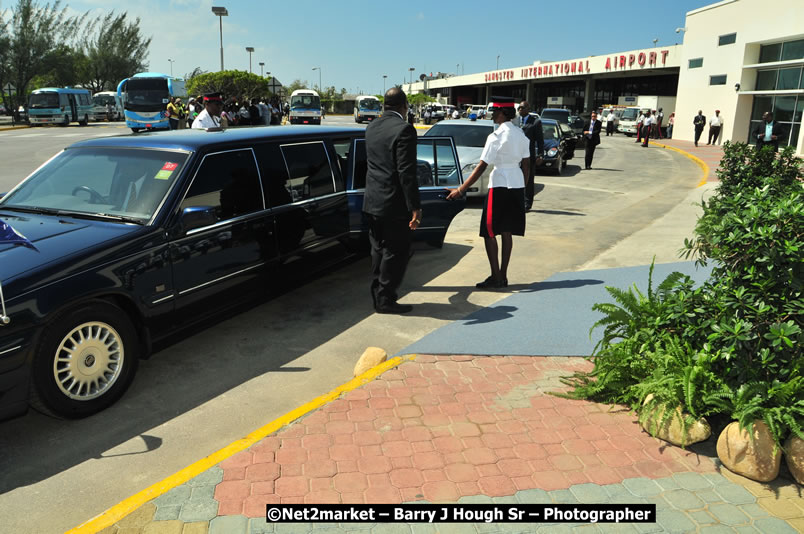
30, 209
107, 216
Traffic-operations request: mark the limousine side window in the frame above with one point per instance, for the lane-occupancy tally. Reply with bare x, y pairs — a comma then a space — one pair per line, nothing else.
342, 149
274, 175
435, 164
228, 182
309, 170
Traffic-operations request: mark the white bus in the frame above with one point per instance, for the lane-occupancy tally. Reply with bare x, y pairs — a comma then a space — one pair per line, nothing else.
367, 108
305, 107
99, 101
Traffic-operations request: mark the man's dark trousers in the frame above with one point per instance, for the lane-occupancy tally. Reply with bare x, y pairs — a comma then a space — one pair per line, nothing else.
698, 132
714, 133
590, 153
390, 239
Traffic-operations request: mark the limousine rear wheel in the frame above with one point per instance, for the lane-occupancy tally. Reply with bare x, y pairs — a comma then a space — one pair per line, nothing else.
85, 362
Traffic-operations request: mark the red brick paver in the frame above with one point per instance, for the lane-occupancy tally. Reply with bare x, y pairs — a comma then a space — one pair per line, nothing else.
440, 428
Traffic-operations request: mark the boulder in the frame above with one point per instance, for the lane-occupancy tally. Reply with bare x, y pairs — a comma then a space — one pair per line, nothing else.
672, 430
755, 459
371, 357
794, 455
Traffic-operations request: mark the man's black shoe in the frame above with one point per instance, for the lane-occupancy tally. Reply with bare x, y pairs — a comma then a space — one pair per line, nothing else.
393, 308
489, 283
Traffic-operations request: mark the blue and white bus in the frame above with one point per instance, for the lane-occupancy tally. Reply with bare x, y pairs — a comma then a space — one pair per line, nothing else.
59, 105
305, 107
145, 97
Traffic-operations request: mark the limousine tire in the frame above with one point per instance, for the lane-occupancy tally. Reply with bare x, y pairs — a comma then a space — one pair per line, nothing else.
107, 350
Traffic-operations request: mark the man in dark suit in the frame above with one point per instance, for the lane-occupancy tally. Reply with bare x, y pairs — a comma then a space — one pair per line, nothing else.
768, 132
532, 128
698, 122
391, 202
591, 131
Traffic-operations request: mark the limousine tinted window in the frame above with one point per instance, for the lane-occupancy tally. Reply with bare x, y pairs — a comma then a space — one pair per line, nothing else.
309, 170
228, 182
102, 180
274, 175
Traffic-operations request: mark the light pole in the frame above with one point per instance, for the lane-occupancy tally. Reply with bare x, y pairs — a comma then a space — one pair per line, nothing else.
262, 64
655, 41
411, 69
319, 78
498, 62
220, 12
249, 49
384, 76
171, 66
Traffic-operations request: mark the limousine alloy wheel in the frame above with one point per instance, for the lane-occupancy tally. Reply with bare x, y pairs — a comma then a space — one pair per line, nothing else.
86, 361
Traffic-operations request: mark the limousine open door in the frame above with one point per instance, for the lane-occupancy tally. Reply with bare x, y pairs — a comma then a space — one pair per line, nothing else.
437, 168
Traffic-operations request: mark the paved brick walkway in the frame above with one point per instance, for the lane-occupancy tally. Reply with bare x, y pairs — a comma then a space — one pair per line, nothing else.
711, 155
469, 429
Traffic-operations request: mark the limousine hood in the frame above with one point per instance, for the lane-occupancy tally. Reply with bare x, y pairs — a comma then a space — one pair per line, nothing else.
53, 239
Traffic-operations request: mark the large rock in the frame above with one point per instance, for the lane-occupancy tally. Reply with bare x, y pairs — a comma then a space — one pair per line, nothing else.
371, 357
755, 459
795, 457
672, 430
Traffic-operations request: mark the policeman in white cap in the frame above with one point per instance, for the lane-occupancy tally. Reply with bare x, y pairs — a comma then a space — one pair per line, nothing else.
211, 116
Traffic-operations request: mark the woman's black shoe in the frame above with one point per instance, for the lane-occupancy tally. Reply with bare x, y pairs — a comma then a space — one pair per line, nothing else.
489, 283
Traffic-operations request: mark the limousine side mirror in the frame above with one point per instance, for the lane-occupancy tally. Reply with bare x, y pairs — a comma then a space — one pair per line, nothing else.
198, 217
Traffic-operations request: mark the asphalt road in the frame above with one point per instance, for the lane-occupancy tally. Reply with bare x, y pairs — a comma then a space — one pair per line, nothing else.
220, 382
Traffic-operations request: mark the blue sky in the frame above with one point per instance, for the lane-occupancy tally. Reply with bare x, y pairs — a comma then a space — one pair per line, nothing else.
356, 42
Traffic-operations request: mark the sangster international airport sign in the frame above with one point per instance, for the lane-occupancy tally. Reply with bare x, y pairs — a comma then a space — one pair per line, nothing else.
594, 65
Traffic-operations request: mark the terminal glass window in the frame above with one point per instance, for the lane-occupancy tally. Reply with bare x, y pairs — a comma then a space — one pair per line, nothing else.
779, 79
766, 80
696, 63
719, 79
787, 111
727, 39
789, 78
769, 53
793, 50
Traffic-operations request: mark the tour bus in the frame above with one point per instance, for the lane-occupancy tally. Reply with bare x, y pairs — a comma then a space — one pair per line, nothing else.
305, 107
99, 101
57, 105
367, 108
145, 98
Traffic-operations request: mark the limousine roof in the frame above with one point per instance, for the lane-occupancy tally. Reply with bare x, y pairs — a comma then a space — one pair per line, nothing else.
193, 140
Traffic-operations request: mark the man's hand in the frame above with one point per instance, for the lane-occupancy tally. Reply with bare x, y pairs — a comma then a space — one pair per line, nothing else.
415, 219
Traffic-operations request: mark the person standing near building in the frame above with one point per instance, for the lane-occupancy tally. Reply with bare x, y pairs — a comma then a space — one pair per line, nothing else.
210, 117
640, 120
532, 128
647, 126
715, 123
507, 148
670, 122
768, 132
591, 131
392, 204
699, 121
610, 123
657, 129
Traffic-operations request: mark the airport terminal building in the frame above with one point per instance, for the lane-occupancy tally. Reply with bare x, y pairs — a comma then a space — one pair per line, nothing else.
742, 57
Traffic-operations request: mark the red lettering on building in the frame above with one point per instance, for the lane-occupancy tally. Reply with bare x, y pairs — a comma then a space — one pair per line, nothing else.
631, 59
664, 56
551, 69
573, 67
622, 62
608, 63
652, 58
587, 65
641, 59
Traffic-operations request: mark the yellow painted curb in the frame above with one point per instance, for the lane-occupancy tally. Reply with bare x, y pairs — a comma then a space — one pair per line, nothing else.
701, 163
124, 508
9, 128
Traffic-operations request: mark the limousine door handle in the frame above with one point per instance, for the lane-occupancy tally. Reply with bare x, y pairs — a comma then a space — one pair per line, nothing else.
442, 196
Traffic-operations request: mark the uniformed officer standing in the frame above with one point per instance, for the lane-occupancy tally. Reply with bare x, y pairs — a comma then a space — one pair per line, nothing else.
508, 149
211, 116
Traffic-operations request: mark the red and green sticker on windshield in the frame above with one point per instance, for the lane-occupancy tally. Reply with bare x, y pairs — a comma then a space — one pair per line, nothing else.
166, 170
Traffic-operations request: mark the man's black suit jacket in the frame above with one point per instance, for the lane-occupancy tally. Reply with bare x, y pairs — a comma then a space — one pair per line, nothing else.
533, 131
595, 140
392, 189
759, 135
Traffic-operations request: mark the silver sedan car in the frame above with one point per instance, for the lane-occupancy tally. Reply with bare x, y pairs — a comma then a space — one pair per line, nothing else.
470, 138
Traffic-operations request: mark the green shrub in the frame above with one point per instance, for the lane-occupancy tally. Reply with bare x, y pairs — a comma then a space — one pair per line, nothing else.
732, 345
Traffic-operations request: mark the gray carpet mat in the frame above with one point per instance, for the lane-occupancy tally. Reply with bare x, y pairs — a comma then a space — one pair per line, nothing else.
549, 318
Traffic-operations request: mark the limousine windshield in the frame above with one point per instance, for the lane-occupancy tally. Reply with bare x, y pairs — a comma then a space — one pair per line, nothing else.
101, 181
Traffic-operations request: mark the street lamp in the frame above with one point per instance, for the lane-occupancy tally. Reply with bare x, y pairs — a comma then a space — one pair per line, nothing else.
220, 12
384, 76
498, 62
262, 64
411, 69
171, 66
655, 41
319, 77
249, 49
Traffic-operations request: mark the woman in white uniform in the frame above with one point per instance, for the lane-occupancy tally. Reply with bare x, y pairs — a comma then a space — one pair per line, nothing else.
507, 148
